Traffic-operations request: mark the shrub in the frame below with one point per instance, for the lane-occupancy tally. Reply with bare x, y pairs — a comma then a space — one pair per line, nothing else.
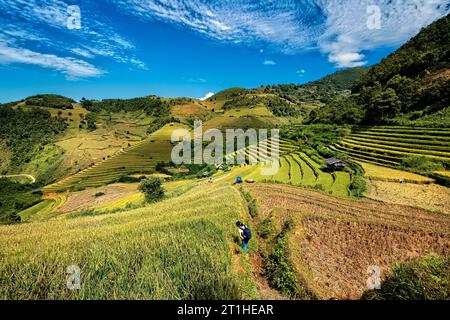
152, 189
129, 179
99, 194
424, 279
358, 186
267, 227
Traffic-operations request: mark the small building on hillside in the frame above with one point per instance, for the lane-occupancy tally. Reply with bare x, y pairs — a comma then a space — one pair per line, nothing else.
334, 164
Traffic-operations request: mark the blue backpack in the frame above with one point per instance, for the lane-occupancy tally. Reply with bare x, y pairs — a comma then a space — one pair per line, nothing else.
247, 233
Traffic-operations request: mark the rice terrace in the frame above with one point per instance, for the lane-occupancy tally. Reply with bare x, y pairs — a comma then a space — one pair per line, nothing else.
93, 204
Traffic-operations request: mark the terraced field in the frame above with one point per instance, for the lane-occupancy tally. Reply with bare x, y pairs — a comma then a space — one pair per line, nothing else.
390, 145
44, 209
335, 240
141, 157
296, 168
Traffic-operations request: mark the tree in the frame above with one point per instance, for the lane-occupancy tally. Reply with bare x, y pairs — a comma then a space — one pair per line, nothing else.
383, 105
152, 189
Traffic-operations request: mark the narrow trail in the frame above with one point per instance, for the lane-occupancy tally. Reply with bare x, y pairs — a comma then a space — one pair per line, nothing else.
257, 264
262, 285
33, 179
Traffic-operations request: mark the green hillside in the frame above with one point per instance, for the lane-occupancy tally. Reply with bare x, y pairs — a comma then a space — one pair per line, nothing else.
323, 89
28, 135
408, 86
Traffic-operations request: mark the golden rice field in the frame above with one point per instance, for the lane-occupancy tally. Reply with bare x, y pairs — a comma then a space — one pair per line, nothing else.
43, 210
181, 112
432, 197
110, 198
175, 249
376, 172
444, 173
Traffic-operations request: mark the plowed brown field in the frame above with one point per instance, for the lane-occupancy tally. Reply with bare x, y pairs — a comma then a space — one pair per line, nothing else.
337, 240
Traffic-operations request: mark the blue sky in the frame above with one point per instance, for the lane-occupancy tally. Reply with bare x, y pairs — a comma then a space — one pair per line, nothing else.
129, 48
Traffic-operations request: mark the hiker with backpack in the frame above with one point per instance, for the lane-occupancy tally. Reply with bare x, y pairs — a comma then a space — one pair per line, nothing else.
245, 234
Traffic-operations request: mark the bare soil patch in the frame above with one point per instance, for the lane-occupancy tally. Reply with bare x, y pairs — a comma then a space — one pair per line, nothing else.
86, 199
337, 240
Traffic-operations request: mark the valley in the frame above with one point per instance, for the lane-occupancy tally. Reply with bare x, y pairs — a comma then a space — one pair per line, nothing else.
363, 183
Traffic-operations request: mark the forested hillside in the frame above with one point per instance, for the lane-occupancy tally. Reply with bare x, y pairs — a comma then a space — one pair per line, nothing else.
410, 85
323, 89
25, 133
50, 101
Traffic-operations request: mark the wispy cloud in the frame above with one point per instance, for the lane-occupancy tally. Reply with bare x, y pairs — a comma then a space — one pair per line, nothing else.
72, 68
82, 52
36, 30
286, 24
41, 26
269, 63
338, 28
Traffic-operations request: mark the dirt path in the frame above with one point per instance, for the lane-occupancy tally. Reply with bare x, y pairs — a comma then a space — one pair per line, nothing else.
33, 179
260, 280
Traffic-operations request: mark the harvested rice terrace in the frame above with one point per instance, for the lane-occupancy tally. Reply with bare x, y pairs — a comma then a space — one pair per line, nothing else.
140, 157
389, 145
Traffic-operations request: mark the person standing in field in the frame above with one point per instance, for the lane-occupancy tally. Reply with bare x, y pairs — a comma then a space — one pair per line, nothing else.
245, 234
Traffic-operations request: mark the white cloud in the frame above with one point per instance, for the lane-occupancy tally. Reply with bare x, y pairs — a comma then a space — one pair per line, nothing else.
301, 71
207, 96
347, 35
72, 68
269, 63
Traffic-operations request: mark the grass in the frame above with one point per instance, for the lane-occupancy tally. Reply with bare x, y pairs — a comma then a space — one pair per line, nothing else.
280, 271
423, 279
175, 249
